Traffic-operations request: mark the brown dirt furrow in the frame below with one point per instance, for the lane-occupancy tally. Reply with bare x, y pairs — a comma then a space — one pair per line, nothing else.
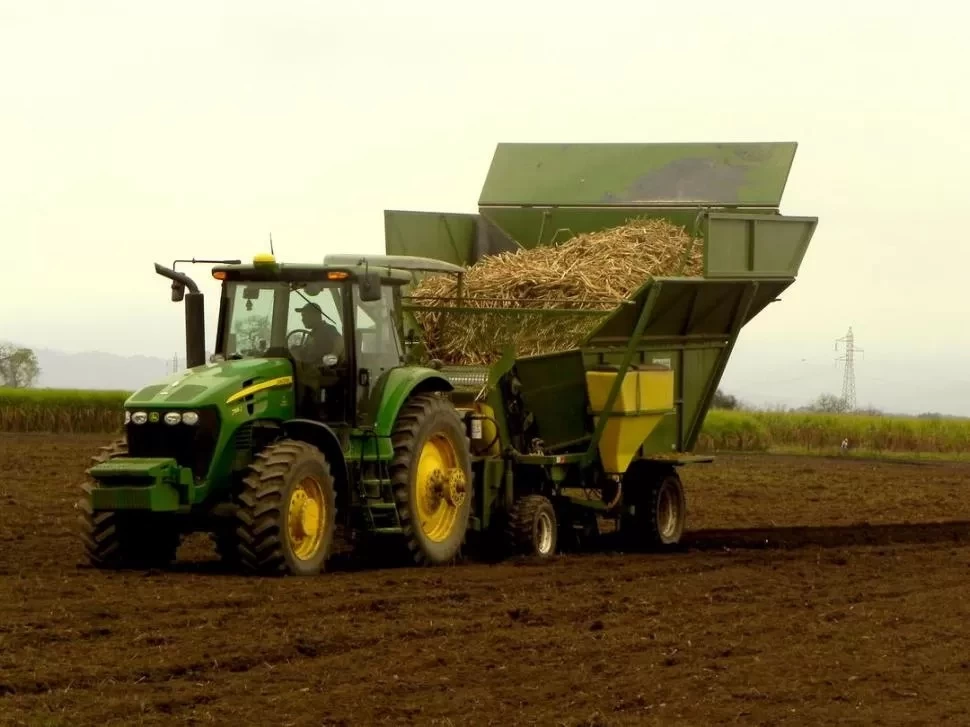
814, 591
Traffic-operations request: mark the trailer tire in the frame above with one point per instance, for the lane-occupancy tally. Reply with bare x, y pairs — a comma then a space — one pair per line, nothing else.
660, 508
532, 527
273, 538
116, 540
431, 476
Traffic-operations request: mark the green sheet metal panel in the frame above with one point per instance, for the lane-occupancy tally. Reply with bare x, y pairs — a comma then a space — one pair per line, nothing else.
691, 328
457, 238
554, 390
699, 372
677, 174
756, 246
686, 307
438, 235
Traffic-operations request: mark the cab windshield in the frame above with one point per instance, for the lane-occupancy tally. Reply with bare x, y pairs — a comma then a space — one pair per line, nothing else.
305, 320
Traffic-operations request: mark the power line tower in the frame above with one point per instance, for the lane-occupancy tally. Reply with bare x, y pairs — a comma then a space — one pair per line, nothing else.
848, 378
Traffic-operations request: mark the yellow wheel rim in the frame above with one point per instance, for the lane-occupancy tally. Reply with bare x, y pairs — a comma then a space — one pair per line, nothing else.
440, 488
306, 518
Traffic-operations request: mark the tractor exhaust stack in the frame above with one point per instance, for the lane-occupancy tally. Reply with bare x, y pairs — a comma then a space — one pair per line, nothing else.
194, 313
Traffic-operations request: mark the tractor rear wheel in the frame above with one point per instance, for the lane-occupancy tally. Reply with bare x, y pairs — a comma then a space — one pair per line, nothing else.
124, 539
286, 513
660, 507
532, 527
431, 478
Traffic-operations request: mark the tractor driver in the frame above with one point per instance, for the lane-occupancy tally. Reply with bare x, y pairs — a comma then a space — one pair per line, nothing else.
324, 338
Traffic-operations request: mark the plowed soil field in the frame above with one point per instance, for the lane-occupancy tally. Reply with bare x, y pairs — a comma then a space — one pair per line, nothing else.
810, 591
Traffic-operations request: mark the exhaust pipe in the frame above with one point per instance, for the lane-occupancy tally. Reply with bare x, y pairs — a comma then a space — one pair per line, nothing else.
194, 313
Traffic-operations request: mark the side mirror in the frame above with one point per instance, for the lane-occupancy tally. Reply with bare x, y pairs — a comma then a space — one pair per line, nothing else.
370, 287
178, 291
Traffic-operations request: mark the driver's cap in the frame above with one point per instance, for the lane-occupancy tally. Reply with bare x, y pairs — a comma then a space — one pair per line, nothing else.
311, 307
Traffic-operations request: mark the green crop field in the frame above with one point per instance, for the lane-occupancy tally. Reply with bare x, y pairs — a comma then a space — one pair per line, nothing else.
76, 411
810, 432
60, 410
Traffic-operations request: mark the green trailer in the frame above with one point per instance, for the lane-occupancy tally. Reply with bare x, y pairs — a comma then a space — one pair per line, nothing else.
320, 408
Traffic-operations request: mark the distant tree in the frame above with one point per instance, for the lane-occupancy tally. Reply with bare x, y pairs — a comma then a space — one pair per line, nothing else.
828, 404
725, 401
18, 366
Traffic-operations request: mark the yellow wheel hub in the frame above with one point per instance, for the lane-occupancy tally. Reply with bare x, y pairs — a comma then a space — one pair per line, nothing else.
306, 518
440, 487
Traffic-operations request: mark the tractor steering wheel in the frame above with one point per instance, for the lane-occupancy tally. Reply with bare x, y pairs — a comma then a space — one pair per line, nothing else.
296, 348
305, 333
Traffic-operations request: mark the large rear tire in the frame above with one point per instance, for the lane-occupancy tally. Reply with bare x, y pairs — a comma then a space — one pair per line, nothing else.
286, 514
114, 539
432, 480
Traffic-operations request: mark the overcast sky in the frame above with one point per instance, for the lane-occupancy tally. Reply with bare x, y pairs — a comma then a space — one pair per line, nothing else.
135, 132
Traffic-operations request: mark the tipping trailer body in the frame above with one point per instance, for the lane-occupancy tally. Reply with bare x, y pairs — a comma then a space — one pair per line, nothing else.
316, 405
634, 393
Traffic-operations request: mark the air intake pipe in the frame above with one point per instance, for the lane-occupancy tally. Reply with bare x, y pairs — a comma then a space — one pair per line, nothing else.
194, 313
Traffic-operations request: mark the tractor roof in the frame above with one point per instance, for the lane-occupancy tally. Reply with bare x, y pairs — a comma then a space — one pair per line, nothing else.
396, 262
265, 268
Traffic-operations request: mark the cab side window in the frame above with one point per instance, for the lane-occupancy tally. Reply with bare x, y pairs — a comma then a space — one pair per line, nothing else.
378, 346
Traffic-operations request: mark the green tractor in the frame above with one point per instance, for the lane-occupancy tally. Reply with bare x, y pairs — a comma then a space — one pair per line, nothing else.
305, 413
319, 411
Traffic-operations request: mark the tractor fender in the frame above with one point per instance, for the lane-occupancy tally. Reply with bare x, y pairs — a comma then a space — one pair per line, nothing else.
323, 438
400, 385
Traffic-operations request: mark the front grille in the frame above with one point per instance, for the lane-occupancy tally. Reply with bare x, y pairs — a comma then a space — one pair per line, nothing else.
244, 437
190, 446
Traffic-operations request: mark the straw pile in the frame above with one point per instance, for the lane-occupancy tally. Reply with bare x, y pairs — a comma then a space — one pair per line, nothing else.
590, 272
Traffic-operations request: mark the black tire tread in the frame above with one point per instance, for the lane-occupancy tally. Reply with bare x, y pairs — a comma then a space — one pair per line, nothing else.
404, 439
643, 531
258, 535
519, 531
112, 540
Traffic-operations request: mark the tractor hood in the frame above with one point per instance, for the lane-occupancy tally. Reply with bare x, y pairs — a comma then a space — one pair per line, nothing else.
213, 384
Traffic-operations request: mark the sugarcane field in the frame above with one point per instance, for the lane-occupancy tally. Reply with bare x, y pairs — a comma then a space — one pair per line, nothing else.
394, 364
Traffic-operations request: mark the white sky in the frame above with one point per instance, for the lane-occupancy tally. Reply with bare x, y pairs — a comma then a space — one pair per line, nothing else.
136, 132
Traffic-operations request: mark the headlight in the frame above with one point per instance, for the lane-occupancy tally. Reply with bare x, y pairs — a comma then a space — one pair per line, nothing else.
191, 418
139, 417
330, 360
172, 418
127, 417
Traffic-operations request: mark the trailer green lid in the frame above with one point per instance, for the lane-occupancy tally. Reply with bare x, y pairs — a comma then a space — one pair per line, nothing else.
656, 175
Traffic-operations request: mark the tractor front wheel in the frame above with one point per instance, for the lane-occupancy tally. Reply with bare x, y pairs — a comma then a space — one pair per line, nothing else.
124, 539
431, 477
286, 513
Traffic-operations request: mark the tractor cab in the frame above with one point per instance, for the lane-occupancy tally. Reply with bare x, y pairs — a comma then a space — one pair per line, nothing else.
335, 324
339, 323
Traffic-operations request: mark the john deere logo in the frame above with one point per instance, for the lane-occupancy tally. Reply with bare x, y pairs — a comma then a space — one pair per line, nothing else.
153, 417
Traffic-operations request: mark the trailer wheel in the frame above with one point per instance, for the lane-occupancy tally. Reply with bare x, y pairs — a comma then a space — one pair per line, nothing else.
532, 527
123, 539
432, 479
660, 508
286, 514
